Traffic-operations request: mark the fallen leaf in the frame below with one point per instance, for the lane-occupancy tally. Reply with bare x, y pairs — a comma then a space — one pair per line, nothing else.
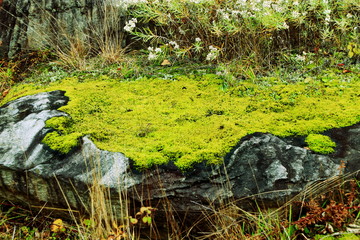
57, 226
5, 92
165, 63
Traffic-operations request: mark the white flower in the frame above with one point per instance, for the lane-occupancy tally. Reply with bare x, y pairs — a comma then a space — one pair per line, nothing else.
327, 19
295, 14
266, 4
150, 49
130, 25
296, 3
300, 58
212, 48
152, 56
214, 53
285, 26
197, 39
226, 16
349, 15
327, 11
278, 8
158, 50
176, 46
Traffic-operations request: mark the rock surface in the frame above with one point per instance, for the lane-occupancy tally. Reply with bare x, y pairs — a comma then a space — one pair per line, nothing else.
34, 24
32, 173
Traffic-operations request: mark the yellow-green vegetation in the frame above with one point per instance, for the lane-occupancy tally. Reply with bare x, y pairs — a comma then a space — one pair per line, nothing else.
344, 236
320, 143
191, 119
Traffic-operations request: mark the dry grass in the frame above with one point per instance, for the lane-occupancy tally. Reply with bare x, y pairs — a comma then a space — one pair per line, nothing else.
229, 221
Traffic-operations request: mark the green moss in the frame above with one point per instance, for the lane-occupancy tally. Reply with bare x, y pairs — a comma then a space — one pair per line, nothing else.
62, 124
190, 119
320, 143
61, 143
344, 236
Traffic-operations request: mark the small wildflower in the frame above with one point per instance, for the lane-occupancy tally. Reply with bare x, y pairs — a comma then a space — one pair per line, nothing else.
295, 14
152, 56
213, 54
285, 25
327, 11
267, 4
197, 39
130, 25
300, 58
176, 46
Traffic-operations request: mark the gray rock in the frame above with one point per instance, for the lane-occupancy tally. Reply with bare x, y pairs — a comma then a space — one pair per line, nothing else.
261, 165
39, 24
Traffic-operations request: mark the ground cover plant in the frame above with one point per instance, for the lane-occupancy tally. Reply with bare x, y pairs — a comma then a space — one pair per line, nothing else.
190, 119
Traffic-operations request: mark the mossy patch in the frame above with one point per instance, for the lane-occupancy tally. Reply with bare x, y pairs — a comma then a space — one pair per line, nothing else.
320, 143
344, 236
62, 143
191, 119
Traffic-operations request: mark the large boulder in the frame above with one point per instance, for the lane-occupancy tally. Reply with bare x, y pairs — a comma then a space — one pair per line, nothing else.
264, 165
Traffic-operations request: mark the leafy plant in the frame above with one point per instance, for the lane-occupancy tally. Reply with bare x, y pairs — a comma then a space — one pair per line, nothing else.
242, 29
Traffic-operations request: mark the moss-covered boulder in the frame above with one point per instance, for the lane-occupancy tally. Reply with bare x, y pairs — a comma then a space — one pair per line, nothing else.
260, 163
192, 119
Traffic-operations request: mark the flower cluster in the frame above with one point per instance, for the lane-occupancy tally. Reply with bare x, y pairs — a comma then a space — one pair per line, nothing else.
327, 13
174, 44
213, 54
154, 53
130, 25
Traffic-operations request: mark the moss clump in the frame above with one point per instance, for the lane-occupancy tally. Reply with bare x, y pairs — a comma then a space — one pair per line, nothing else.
346, 236
62, 124
61, 143
191, 119
320, 143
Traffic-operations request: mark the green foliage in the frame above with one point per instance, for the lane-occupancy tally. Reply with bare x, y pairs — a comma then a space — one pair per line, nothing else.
354, 50
320, 143
215, 30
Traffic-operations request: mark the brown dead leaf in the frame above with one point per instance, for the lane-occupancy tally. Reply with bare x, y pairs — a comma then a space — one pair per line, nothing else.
165, 63
57, 226
5, 92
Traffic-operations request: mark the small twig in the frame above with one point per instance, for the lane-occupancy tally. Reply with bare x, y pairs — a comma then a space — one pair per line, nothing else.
305, 237
13, 236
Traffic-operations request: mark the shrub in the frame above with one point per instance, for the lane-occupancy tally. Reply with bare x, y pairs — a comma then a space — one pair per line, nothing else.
218, 30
